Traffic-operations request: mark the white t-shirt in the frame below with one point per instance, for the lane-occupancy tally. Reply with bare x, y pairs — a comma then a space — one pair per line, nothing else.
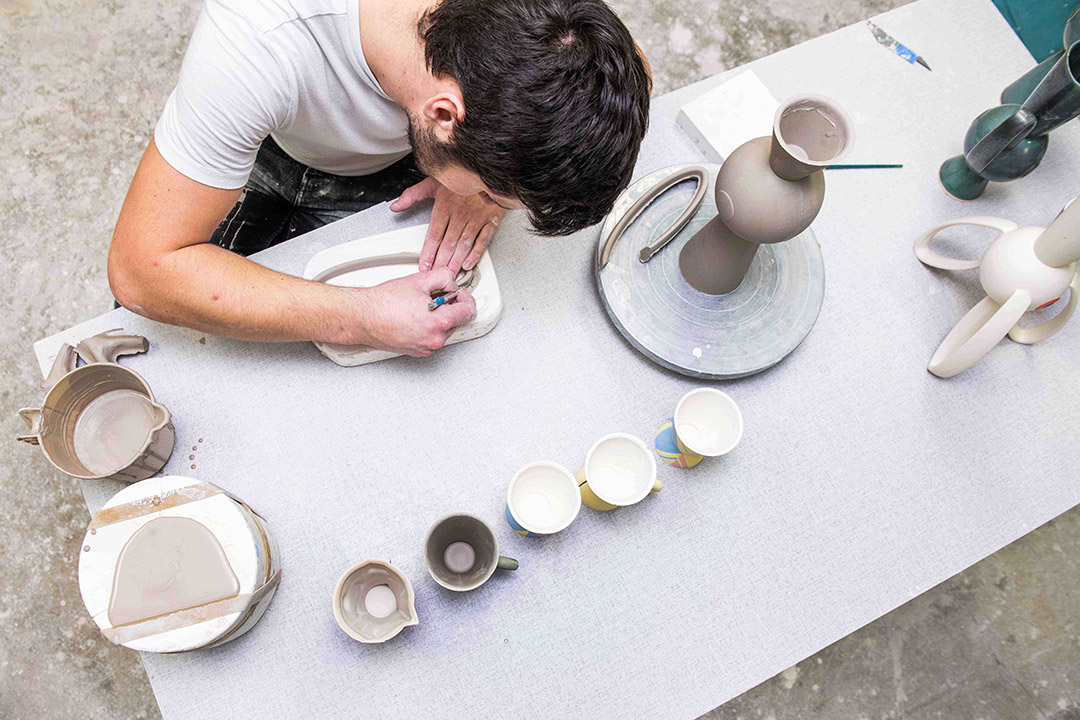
293, 69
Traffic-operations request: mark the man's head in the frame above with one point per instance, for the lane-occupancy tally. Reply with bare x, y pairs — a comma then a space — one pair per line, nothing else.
554, 101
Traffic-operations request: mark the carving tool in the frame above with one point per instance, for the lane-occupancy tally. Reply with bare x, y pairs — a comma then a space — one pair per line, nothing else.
893, 44
442, 300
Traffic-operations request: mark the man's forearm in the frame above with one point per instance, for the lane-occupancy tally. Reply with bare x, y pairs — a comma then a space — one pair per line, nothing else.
211, 289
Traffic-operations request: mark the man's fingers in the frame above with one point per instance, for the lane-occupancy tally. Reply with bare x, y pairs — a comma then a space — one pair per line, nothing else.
478, 248
449, 241
438, 280
423, 190
460, 311
440, 216
464, 245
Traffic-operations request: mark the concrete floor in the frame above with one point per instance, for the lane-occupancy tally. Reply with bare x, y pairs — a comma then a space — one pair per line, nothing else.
83, 84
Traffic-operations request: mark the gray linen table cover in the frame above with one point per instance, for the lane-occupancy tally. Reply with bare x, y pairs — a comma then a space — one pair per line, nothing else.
861, 481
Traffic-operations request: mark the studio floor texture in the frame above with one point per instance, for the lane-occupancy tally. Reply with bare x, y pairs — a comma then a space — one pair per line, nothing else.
82, 87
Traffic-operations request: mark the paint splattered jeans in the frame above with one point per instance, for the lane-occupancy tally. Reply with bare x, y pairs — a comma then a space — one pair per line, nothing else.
285, 198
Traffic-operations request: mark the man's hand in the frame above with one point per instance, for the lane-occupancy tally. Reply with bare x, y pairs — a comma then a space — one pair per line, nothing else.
461, 225
396, 315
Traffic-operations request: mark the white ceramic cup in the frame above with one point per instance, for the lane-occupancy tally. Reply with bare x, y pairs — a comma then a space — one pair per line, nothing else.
542, 499
708, 422
619, 471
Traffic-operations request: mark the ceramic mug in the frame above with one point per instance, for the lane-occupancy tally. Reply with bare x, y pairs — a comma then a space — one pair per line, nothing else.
542, 499
462, 553
707, 423
619, 471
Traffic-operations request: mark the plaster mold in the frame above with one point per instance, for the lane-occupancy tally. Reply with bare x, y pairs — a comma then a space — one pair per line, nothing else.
374, 260
172, 564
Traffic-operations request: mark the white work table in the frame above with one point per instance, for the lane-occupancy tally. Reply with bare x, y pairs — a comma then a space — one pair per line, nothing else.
861, 481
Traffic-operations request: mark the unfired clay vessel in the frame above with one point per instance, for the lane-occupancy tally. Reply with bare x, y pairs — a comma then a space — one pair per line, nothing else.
374, 601
100, 420
768, 190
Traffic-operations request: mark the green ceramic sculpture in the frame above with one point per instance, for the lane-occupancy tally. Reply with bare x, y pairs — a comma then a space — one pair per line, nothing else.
1009, 141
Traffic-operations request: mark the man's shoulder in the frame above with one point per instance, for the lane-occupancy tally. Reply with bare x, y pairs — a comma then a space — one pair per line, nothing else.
264, 16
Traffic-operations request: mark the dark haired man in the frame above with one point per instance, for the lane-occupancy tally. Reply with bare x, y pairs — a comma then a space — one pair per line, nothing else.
314, 105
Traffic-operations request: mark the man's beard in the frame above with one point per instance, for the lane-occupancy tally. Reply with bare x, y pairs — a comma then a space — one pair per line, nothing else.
430, 154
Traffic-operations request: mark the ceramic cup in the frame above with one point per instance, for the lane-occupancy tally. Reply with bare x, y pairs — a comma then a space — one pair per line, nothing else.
462, 553
619, 471
542, 499
374, 601
707, 423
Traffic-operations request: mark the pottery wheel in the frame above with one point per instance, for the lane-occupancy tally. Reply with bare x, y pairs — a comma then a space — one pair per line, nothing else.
707, 336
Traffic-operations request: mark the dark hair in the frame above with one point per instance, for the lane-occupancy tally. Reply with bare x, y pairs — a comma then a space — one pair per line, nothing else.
556, 102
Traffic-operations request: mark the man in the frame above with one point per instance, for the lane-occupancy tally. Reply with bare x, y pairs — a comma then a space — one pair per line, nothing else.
314, 105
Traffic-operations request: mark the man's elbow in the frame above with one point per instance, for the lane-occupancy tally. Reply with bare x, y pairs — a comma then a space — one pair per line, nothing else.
125, 281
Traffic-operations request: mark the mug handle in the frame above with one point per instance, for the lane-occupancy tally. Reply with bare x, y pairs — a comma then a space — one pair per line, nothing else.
506, 563
933, 259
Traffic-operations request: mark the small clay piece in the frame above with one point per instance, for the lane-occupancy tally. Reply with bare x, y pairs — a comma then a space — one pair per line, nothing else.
695, 172
106, 347
66, 361
768, 190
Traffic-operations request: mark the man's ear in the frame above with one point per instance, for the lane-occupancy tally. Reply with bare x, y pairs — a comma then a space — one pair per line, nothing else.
442, 112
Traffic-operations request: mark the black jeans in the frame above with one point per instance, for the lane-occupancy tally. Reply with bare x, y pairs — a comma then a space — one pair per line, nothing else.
285, 198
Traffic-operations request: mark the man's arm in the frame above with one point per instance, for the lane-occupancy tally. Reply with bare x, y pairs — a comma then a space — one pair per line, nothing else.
162, 266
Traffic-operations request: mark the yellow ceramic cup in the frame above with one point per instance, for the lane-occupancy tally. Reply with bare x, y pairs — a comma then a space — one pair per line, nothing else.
619, 471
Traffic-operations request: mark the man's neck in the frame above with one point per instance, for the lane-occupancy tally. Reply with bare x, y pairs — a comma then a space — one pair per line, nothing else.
393, 50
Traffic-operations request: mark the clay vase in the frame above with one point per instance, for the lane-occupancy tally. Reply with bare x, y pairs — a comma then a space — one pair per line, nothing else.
768, 190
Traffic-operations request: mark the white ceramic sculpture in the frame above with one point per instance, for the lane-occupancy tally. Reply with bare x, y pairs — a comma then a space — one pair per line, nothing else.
1025, 268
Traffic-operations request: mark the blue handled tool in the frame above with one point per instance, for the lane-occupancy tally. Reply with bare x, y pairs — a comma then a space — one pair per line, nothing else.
893, 44
442, 300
